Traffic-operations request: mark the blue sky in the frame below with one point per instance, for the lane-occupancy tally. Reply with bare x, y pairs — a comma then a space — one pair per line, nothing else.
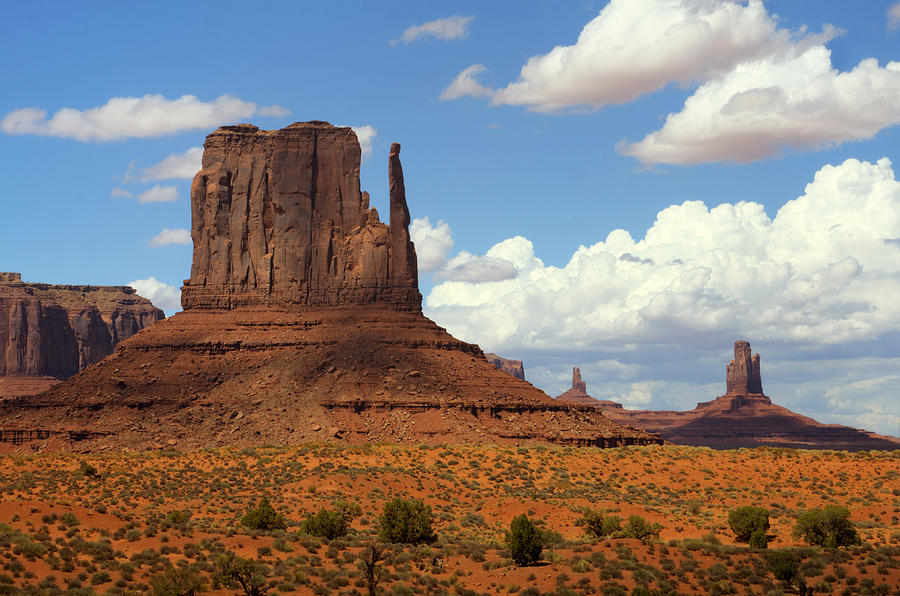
644, 109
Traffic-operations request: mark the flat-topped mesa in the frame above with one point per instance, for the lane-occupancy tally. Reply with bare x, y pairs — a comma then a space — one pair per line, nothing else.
278, 219
55, 331
742, 374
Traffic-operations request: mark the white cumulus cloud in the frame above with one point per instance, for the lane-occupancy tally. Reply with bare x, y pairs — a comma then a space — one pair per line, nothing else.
159, 194
177, 165
366, 136
635, 47
820, 275
819, 269
893, 16
171, 236
161, 294
765, 107
466, 85
433, 243
447, 29
135, 117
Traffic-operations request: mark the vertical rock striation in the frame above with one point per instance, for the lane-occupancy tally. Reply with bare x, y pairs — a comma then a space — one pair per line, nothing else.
742, 374
57, 330
278, 218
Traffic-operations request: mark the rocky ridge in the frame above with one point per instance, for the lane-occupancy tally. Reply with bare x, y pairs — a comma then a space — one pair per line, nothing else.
50, 332
742, 417
510, 367
302, 322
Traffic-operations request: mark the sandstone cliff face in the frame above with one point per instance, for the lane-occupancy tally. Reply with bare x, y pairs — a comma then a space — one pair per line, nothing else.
510, 367
742, 374
302, 322
56, 330
745, 417
278, 218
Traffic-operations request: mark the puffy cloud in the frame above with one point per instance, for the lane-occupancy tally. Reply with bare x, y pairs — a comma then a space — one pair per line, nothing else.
894, 16
466, 267
135, 117
433, 243
764, 107
171, 236
817, 277
635, 47
161, 294
120, 193
159, 194
366, 135
465, 85
447, 29
178, 165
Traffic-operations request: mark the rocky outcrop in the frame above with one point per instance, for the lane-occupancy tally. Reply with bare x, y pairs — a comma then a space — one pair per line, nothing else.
54, 331
742, 374
510, 367
302, 322
577, 394
278, 218
745, 417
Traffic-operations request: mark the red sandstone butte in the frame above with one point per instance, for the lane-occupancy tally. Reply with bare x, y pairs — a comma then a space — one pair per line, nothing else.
745, 417
50, 332
510, 367
302, 322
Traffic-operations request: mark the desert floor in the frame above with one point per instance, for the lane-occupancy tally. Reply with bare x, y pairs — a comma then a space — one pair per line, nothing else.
62, 531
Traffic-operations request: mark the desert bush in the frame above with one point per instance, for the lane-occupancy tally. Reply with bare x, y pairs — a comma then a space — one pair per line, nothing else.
406, 521
369, 564
745, 521
829, 527
264, 517
524, 541
233, 571
592, 522
332, 523
638, 527
783, 564
88, 470
758, 539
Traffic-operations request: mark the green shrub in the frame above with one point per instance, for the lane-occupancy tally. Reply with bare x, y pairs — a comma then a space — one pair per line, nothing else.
524, 541
264, 517
332, 523
758, 539
612, 525
233, 571
406, 521
638, 527
744, 521
592, 522
88, 470
783, 564
177, 581
829, 527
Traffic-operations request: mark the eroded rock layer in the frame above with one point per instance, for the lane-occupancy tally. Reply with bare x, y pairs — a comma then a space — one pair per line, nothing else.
277, 218
510, 367
745, 417
302, 322
50, 332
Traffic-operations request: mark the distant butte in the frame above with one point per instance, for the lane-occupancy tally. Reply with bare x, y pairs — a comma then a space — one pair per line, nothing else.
50, 332
742, 417
511, 367
302, 322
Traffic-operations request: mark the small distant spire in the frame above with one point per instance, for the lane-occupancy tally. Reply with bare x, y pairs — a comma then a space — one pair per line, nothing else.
577, 383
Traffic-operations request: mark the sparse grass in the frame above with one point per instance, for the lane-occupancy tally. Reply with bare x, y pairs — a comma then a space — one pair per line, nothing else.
143, 516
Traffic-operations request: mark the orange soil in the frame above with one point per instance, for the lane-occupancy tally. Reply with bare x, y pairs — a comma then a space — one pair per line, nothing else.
474, 493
